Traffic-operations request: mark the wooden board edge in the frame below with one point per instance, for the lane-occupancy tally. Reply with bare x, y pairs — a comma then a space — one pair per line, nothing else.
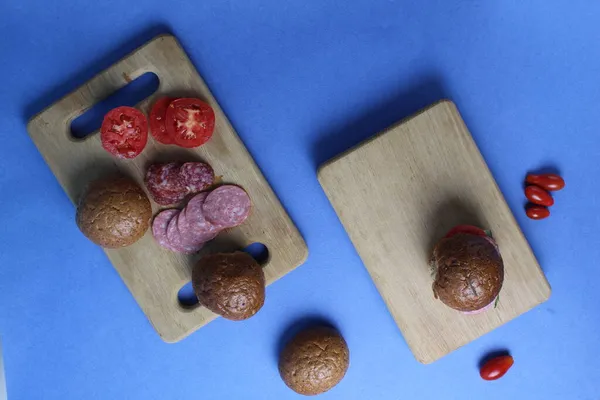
172, 339
302, 253
429, 360
82, 85
513, 220
321, 176
376, 135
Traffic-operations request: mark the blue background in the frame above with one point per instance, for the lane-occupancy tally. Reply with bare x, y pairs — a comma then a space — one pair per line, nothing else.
302, 80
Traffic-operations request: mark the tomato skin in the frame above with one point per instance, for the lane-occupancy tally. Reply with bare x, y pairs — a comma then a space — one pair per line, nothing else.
550, 182
537, 195
190, 122
470, 229
496, 367
537, 212
158, 129
124, 132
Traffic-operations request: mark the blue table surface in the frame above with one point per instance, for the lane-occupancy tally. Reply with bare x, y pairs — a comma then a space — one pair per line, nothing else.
302, 81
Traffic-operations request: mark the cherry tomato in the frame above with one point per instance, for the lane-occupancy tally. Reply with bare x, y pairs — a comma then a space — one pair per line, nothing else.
158, 128
124, 132
496, 367
550, 182
537, 212
473, 230
538, 195
190, 122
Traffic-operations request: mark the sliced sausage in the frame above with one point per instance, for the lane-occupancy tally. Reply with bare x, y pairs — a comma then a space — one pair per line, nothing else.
159, 227
175, 239
197, 176
193, 225
165, 183
227, 206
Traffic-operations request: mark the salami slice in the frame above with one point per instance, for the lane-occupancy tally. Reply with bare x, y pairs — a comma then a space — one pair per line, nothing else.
175, 240
159, 227
165, 183
227, 206
197, 176
194, 227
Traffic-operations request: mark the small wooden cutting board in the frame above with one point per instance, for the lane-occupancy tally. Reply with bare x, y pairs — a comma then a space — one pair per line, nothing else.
155, 275
397, 194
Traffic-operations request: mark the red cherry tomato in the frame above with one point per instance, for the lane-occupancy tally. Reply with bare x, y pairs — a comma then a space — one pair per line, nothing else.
124, 132
496, 367
550, 182
158, 128
473, 230
537, 212
190, 122
539, 196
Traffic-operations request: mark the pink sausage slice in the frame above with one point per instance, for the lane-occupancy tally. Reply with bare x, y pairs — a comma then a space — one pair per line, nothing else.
175, 240
197, 176
165, 183
194, 227
227, 206
159, 227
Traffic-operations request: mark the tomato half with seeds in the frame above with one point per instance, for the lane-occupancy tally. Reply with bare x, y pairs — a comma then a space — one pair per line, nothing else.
158, 128
496, 367
124, 132
190, 122
470, 229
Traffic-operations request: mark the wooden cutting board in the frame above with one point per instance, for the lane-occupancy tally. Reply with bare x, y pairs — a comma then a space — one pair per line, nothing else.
154, 275
401, 191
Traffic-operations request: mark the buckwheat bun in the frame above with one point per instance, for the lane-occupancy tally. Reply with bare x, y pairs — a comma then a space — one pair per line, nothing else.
230, 284
467, 269
314, 361
114, 212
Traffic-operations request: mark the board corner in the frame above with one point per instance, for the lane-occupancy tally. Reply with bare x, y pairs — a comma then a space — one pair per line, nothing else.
321, 168
304, 252
171, 338
166, 36
547, 291
32, 122
424, 359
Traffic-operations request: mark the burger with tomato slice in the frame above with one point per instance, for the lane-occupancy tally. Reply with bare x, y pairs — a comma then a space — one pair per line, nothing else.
467, 269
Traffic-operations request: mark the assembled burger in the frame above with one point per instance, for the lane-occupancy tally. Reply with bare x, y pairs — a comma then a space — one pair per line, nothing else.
467, 269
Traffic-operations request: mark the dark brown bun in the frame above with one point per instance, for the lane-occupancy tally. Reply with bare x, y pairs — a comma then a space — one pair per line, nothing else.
469, 271
230, 284
114, 212
314, 361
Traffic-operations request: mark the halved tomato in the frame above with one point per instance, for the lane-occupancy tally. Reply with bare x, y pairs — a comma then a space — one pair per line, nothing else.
470, 229
158, 129
190, 122
124, 132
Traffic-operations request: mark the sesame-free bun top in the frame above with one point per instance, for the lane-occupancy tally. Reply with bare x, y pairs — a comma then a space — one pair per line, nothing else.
469, 271
229, 284
314, 361
114, 212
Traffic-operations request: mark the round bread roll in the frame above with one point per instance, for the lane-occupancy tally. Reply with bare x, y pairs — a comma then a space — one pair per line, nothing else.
230, 284
114, 212
469, 272
314, 361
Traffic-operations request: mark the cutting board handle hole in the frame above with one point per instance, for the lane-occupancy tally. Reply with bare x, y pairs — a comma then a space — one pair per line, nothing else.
129, 95
259, 252
186, 296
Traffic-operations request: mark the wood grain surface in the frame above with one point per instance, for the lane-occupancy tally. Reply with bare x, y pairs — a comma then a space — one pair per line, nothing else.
397, 194
152, 274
